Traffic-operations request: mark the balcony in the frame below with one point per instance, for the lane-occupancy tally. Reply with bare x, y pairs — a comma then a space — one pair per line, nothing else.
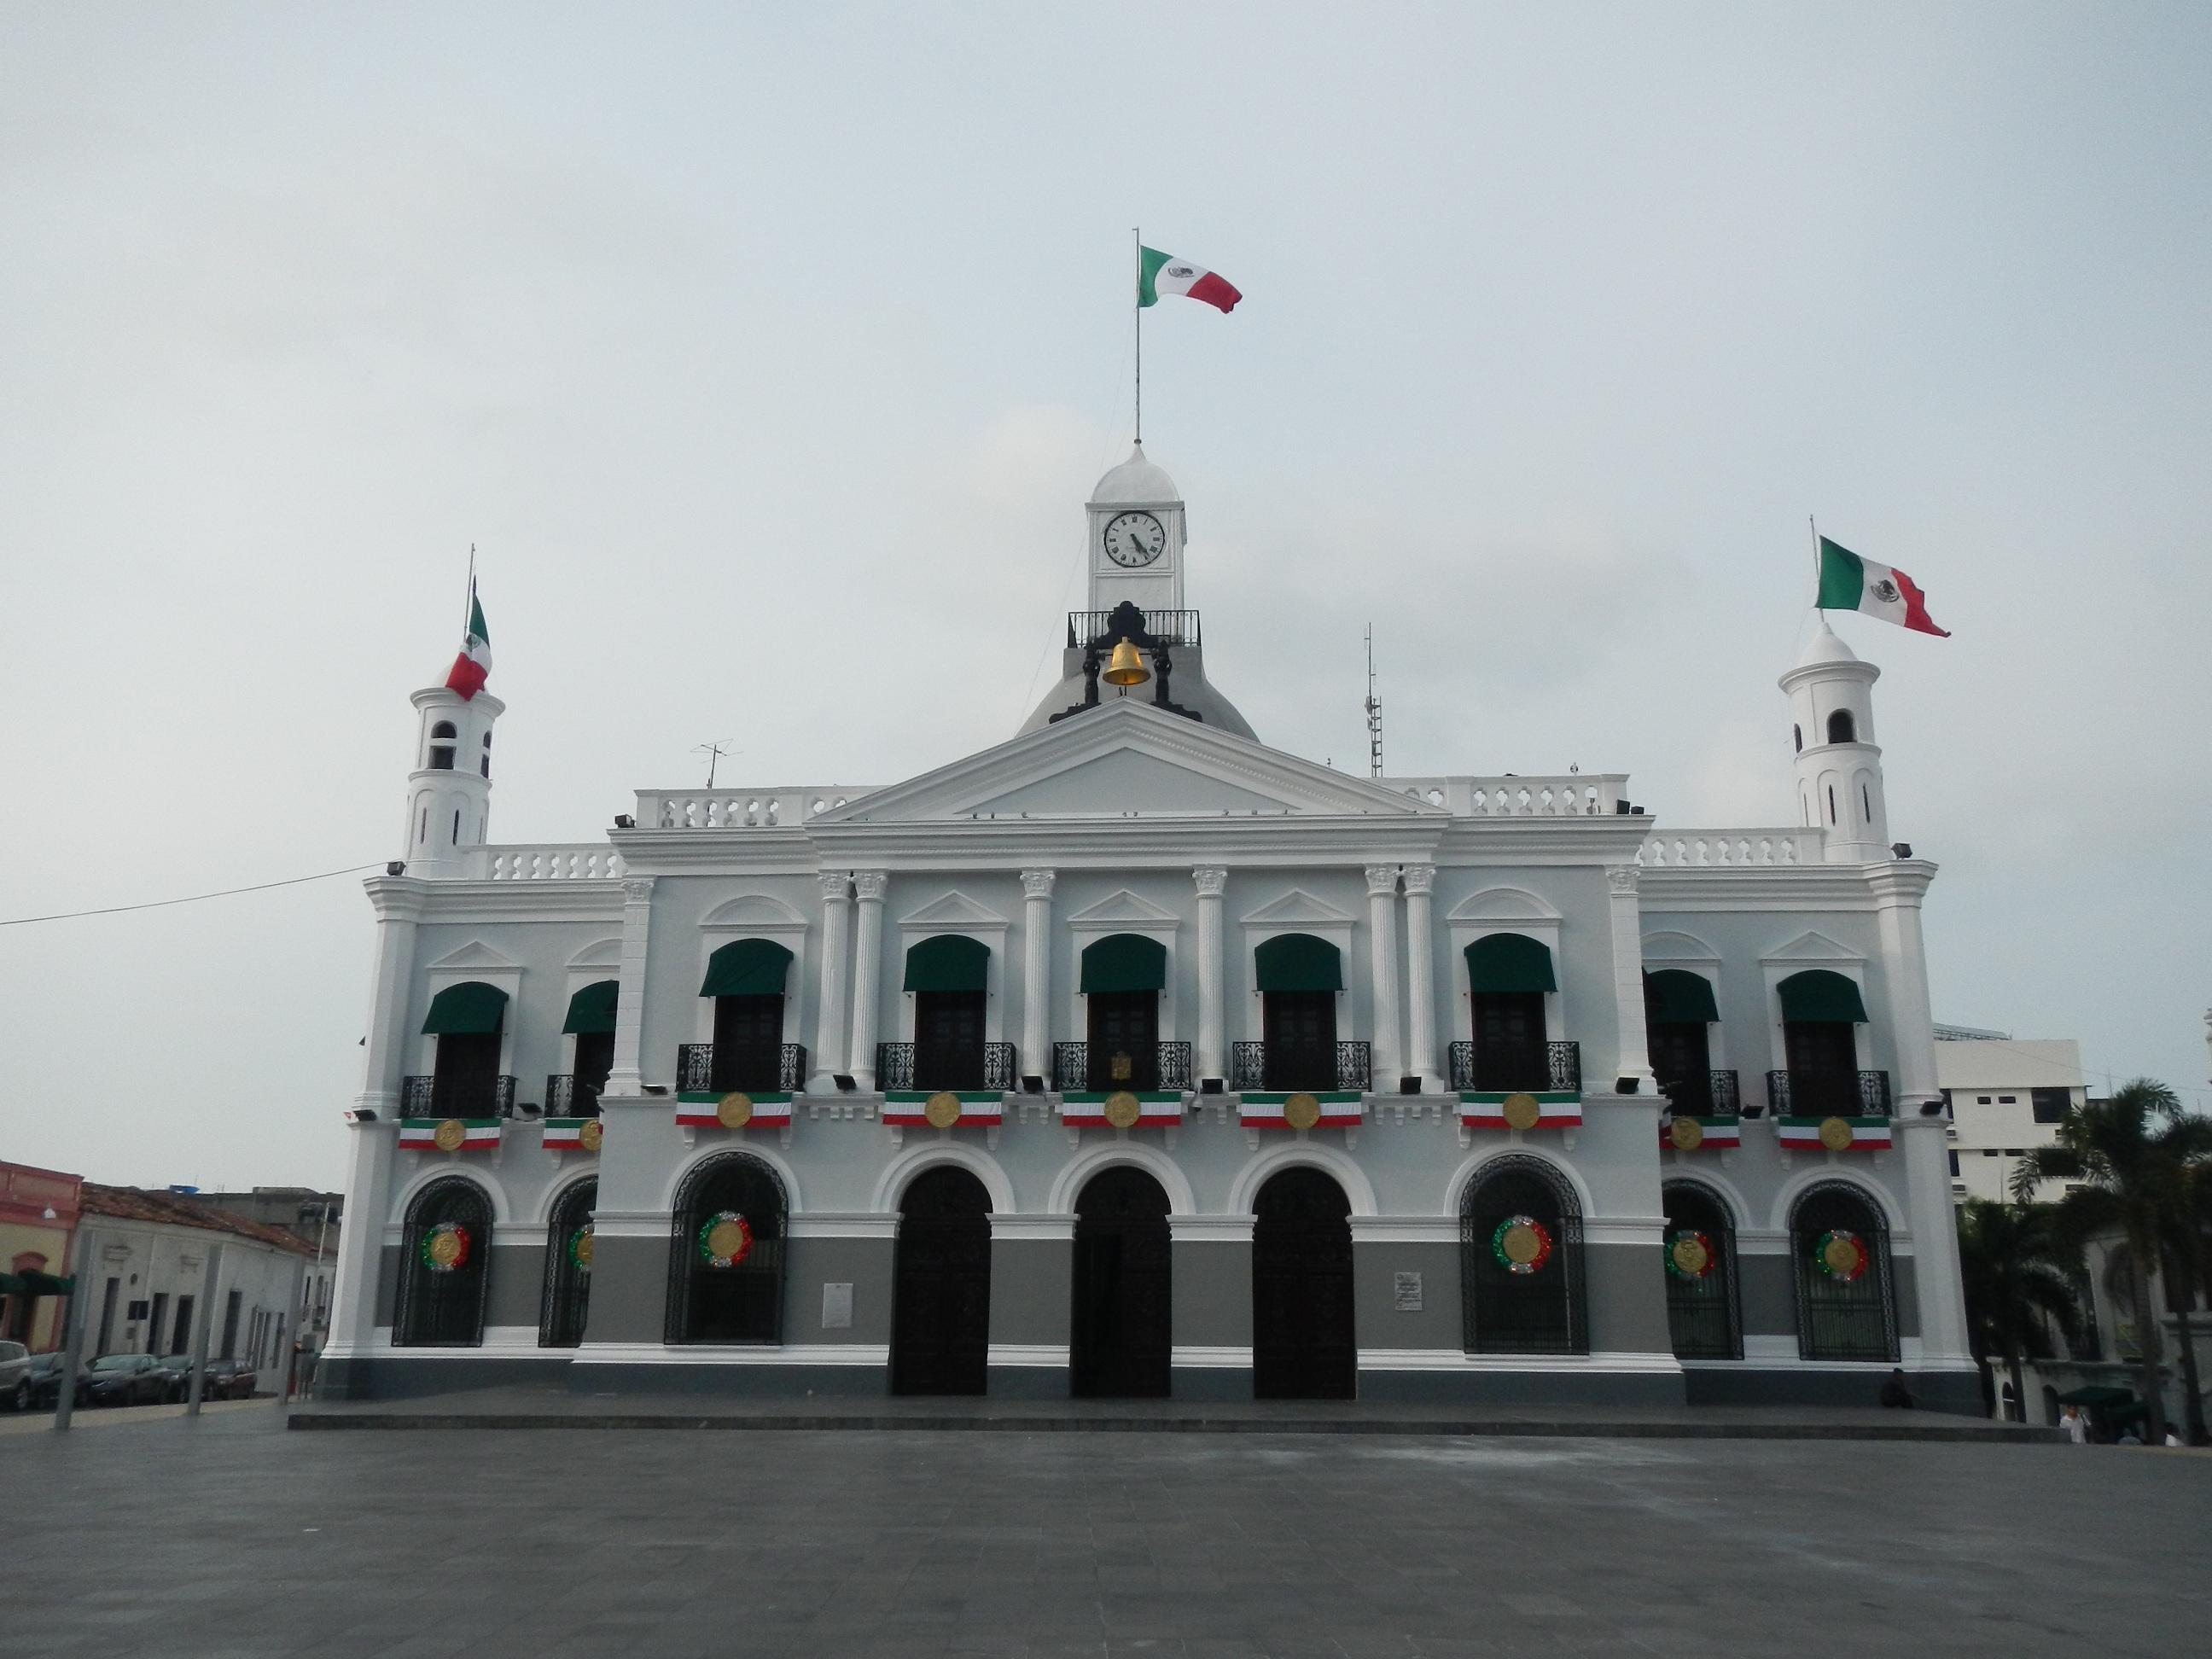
1704, 1094
1828, 1094
1320, 1066
454, 1097
1163, 1065
972, 1067
758, 1068
1549, 1068
569, 1096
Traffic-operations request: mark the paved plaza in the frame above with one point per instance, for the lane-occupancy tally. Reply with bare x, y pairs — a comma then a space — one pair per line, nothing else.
230, 1536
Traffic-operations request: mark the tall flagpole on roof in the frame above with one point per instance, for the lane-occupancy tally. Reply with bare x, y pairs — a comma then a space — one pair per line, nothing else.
469, 605
1137, 307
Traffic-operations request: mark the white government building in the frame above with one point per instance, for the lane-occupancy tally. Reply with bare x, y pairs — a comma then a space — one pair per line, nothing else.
1133, 1056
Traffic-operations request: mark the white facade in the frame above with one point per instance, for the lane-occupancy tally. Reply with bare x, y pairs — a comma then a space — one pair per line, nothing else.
148, 1284
2008, 1097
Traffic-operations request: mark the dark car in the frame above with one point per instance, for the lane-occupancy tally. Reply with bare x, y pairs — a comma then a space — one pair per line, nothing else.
125, 1379
229, 1379
177, 1370
46, 1382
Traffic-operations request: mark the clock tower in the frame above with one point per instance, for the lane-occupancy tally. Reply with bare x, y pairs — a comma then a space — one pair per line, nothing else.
1136, 530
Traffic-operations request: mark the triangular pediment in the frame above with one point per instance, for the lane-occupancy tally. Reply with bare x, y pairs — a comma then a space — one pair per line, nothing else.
1813, 945
753, 910
1127, 759
1296, 909
952, 910
1124, 908
475, 954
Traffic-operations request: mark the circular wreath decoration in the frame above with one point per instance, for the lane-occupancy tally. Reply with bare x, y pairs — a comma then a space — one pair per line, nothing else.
725, 1238
580, 1248
1522, 1244
445, 1248
1841, 1256
1691, 1255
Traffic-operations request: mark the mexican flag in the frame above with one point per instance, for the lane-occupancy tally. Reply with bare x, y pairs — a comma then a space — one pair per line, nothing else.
448, 1135
1163, 273
1849, 582
473, 666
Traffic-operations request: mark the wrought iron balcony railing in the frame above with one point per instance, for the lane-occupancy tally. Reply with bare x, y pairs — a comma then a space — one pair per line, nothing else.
569, 1096
1099, 628
453, 1096
972, 1065
1163, 1065
1540, 1068
1828, 1094
1317, 1065
760, 1068
1701, 1094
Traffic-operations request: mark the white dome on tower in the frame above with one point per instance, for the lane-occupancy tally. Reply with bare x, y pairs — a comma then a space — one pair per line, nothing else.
1136, 480
1825, 647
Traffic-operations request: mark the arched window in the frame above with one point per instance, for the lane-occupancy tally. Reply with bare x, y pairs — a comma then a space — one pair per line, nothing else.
949, 975
1839, 1245
441, 747
445, 1266
1123, 975
468, 1020
726, 1253
487, 755
747, 979
1298, 977
1703, 1318
1820, 1009
567, 1268
1679, 1014
1521, 1261
1508, 976
1797, 739
1842, 728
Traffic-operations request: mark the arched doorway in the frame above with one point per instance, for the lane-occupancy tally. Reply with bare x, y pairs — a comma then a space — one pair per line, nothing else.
445, 1267
1123, 1338
941, 1301
1302, 1346
1521, 1261
1700, 1262
1846, 1306
569, 1240
725, 1253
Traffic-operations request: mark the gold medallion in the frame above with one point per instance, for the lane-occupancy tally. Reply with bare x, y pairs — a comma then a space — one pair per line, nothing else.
728, 1241
591, 1135
445, 1248
581, 1249
1123, 1109
1835, 1133
1302, 1111
452, 1135
1522, 1244
734, 1110
1520, 1111
1691, 1257
1687, 1134
943, 1110
1841, 1257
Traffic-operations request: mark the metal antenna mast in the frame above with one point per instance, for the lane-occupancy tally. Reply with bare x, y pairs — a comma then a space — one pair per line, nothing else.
713, 752
1373, 713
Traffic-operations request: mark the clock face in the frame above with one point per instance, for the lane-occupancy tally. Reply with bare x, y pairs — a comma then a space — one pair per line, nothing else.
1135, 539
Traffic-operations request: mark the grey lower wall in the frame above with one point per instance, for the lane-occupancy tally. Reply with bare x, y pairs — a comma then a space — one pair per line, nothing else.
1855, 1389
1378, 1322
866, 1264
1766, 1295
629, 1290
1030, 1291
1211, 1295
387, 1285
1626, 1284
516, 1294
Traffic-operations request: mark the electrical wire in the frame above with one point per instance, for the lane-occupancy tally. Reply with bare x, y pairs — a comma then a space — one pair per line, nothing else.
194, 898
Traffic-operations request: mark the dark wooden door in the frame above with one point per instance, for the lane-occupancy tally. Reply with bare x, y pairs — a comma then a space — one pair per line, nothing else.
1123, 1343
948, 1039
595, 1058
465, 1079
748, 1043
1300, 1027
941, 1302
1124, 1039
1302, 1346
1509, 1041
1682, 1060
1824, 1062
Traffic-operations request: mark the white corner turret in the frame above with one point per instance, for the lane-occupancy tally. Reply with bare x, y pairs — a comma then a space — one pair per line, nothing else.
1839, 764
449, 791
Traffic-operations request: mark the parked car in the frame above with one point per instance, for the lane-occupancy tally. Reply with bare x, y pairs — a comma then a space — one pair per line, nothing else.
46, 1382
15, 1376
125, 1379
230, 1379
176, 1368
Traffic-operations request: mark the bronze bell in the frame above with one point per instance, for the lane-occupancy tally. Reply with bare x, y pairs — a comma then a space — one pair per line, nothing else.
1125, 667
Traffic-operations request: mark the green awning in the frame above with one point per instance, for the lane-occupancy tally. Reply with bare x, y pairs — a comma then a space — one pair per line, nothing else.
1298, 962
8, 1285
1125, 961
1674, 996
949, 961
592, 1010
32, 1282
1818, 994
1510, 962
746, 968
2096, 1394
470, 1010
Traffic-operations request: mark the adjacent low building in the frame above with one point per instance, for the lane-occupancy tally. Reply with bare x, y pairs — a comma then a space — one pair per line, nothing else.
37, 1215
153, 1264
2008, 1097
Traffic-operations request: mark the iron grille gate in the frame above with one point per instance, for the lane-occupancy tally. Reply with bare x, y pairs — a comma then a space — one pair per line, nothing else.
442, 1307
1704, 1316
567, 1268
742, 1301
1839, 1319
1502, 1311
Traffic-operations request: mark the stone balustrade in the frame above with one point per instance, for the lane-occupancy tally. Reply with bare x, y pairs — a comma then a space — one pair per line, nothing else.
1589, 794
567, 863
781, 808
1682, 849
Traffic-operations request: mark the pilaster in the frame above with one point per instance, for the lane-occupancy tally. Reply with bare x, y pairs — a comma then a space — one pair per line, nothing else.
1382, 966
1634, 1056
867, 975
829, 1020
625, 1077
361, 1243
1420, 881
1036, 971
1212, 882
398, 903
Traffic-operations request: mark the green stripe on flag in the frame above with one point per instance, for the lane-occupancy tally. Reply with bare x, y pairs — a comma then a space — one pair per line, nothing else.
1149, 259
476, 620
1843, 578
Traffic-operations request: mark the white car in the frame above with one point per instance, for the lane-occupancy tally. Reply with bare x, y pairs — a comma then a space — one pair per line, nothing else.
15, 1376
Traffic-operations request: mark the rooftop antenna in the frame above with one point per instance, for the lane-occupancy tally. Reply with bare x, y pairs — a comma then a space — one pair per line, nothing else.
1373, 713
713, 752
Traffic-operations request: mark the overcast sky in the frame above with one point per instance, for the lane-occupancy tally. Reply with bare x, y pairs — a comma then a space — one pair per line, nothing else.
767, 355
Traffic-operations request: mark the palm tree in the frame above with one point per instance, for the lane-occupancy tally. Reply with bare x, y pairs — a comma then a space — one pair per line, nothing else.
2127, 1162
2019, 1270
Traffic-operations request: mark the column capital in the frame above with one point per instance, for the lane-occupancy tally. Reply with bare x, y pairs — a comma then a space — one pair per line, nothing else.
834, 885
1382, 880
1037, 883
1621, 878
1211, 880
636, 890
1419, 878
871, 884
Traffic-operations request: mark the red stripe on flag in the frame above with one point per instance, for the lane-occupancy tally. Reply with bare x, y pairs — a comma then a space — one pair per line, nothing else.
1215, 292
1916, 606
467, 676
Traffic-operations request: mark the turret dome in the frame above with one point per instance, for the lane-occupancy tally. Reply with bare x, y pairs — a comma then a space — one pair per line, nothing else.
1825, 647
1136, 480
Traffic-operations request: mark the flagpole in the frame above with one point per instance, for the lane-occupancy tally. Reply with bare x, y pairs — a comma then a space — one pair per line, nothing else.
469, 604
1137, 307
1815, 529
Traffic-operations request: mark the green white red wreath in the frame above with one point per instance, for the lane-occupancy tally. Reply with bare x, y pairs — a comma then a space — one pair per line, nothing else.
1690, 1254
725, 1238
580, 1248
1522, 1244
1842, 1254
445, 1248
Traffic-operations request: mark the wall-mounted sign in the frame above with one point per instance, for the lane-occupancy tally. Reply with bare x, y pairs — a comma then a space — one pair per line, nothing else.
1406, 1292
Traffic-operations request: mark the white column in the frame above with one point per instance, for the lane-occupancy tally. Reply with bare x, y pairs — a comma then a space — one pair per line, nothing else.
867, 973
1421, 973
829, 1017
1633, 1048
626, 1075
1037, 972
399, 903
1382, 968
361, 1243
1213, 1056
